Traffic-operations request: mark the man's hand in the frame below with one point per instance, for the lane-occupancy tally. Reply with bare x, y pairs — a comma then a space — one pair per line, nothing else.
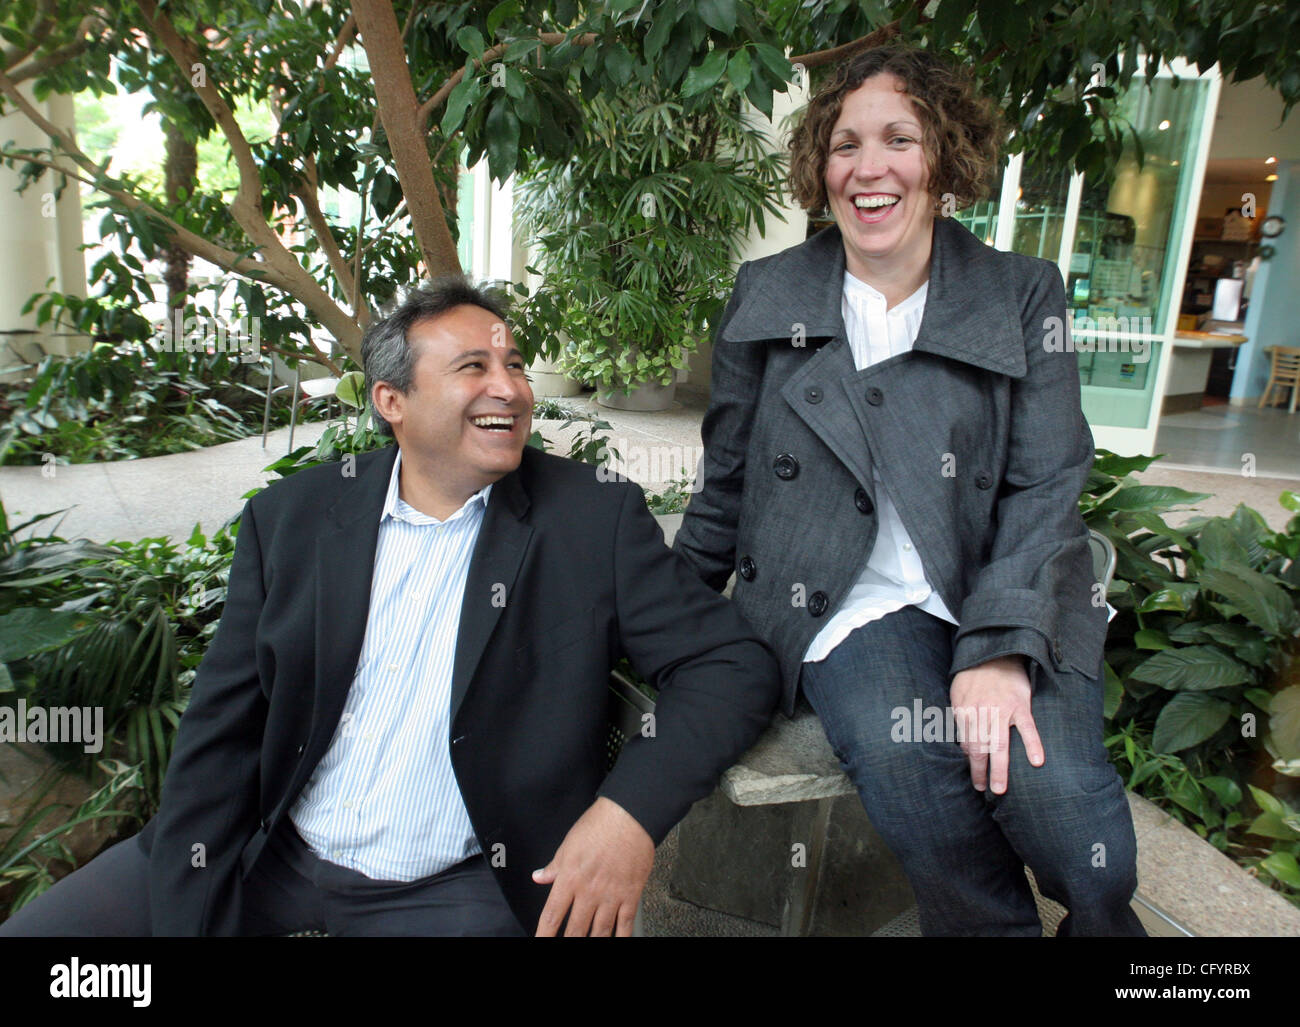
987, 700
599, 870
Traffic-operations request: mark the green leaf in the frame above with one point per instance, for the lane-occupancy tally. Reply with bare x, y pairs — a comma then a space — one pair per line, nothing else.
1219, 545
739, 70
470, 40
1258, 598
1267, 802
658, 34
1195, 668
1283, 866
620, 64
1188, 719
458, 101
1284, 723
1226, 790
502, 141
500, 14
1148, 638
1114, 692
1290, 500
1270, 825
1260, 697
718, 14
705, 74
30, 630
1171, 598
351, 389
1152, 497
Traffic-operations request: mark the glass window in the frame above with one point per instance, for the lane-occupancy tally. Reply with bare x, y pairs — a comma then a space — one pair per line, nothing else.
982, 217
1126, 242
1040, 208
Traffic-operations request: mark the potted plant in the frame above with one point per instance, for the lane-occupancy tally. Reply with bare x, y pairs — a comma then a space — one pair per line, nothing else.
634, 233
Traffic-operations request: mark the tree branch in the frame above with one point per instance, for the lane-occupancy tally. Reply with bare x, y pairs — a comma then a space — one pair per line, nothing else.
306, 192
877, 37
246, 208
245, 267
345, 36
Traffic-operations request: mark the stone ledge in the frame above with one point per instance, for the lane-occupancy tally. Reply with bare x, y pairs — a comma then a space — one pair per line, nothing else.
1197, 886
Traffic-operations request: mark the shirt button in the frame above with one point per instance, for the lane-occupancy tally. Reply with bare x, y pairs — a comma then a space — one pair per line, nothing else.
392, 668
907, 547
370, 737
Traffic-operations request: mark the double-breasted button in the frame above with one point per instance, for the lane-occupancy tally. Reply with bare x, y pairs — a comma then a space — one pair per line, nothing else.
875, 397
747, 568
813, 394
983, 480
817, 603
863, 501
786, 467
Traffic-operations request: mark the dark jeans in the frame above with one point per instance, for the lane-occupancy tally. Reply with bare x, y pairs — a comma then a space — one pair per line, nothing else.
289, 890
965, 851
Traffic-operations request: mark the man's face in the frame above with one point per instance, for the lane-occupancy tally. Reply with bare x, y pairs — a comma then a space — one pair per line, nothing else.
469, 410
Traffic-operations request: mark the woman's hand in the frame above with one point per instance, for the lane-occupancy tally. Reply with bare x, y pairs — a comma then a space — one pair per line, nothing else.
987, 700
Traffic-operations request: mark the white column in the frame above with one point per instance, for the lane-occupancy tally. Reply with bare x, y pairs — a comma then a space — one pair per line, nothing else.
29, 243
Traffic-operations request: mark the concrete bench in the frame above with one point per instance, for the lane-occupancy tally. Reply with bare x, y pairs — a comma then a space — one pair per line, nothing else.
784, 839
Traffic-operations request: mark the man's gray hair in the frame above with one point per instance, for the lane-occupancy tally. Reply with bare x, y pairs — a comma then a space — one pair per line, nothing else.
386, 354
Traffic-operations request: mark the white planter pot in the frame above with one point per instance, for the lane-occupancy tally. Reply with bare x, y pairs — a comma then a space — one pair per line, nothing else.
548, 383
646, 397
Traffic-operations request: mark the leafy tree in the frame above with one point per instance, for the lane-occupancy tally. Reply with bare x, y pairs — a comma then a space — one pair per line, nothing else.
381, 98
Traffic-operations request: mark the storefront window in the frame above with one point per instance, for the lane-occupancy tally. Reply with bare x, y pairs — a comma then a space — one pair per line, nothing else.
1126, 242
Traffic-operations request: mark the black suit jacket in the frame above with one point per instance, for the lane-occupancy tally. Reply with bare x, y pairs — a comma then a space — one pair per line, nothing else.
586, 578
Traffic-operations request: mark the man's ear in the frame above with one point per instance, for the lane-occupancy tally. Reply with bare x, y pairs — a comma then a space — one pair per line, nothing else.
388, 402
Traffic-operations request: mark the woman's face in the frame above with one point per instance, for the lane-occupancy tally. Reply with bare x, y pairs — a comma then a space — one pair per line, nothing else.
877, 178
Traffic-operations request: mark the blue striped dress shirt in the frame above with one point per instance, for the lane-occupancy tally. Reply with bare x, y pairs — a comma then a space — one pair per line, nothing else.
384, 800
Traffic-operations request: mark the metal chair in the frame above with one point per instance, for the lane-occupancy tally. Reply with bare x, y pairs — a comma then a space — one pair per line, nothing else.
1285, 374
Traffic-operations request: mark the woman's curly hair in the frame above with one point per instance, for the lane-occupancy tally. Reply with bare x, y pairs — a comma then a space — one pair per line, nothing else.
961, 129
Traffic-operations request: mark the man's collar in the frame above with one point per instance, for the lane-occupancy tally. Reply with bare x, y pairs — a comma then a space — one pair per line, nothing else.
395, 506
971, 312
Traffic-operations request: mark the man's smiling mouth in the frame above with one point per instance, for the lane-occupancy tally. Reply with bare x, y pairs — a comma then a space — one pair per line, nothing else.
494, 422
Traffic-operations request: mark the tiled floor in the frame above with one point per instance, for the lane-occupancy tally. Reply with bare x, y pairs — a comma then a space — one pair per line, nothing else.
1232, 439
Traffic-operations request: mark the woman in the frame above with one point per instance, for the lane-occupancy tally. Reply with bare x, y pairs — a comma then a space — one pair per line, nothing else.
893, 460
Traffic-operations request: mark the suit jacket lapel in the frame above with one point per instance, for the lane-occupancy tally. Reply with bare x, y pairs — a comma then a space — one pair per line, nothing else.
502, 541
345, 567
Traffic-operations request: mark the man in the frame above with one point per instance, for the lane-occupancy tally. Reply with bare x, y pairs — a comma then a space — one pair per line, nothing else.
399, 727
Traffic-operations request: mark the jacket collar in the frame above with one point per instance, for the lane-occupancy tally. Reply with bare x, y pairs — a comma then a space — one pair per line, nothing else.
971, 314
